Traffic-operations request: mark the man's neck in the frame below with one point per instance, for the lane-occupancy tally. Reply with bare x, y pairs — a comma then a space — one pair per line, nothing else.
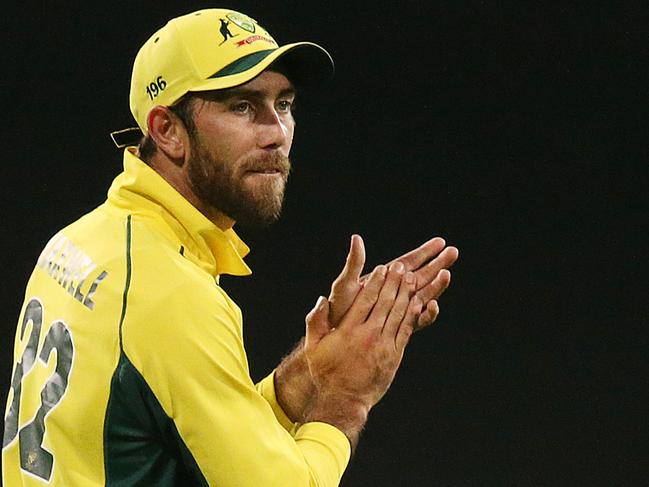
177, 177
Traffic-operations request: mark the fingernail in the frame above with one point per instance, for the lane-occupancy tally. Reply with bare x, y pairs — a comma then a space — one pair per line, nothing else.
320, 303
383, 270
398, 266
410, 277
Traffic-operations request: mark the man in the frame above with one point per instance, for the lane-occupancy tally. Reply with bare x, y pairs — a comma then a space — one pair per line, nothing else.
129, 359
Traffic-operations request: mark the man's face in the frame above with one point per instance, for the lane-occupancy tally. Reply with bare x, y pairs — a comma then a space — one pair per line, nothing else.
238, 162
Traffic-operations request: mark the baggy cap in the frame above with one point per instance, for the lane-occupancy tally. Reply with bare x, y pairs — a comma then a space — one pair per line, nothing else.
214, 49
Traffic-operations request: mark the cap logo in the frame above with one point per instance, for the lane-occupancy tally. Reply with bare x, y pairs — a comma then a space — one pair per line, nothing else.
255, 38
225, 30
243, 21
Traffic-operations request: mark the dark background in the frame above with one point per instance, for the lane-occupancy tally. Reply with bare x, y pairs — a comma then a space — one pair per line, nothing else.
518, 131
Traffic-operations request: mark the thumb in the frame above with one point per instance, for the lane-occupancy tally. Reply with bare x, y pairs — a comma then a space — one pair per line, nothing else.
348, 278
317, 322
346, 286
355, 259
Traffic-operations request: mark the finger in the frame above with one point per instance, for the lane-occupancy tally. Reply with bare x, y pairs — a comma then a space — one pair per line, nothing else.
388, 294
408, 324
353, 264
414, 259
355, 259
317, 324
398, 311
366, 298
428, 315
436, 288
347, 285
429, 272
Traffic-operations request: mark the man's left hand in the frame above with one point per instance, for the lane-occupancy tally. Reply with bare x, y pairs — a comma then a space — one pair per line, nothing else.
429, 262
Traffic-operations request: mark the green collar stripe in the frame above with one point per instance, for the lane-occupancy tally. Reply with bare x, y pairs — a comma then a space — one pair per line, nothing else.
243, 64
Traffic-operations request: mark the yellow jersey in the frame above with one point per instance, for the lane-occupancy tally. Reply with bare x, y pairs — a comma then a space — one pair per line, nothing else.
129, 364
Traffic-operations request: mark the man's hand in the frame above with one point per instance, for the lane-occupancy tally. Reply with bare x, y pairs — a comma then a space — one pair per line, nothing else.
353, 364
429, 262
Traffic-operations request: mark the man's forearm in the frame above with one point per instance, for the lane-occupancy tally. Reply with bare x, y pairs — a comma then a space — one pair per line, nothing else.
296, 394
293, 385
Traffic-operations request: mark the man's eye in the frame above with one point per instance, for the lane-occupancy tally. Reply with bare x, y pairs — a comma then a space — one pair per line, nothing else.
241, 107
285, 106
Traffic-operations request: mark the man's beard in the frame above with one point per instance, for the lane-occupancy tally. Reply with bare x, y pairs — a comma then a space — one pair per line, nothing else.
229, 188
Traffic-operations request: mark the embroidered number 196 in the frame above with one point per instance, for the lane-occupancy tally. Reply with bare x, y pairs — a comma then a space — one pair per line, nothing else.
154, 88
33, 457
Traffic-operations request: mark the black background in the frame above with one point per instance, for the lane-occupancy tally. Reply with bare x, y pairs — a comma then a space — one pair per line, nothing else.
518, 131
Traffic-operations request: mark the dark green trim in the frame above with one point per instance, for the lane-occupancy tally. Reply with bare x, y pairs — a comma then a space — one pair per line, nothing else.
243, 64
141, 443
127, 286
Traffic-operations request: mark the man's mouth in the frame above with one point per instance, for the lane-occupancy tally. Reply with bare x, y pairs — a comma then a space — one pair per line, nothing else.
270, 171
268, 165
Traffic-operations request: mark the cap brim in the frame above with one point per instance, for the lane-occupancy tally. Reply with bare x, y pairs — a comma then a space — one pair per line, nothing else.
304, 63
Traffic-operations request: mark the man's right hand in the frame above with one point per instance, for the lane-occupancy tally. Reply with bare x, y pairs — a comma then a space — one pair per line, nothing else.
353, 364
429, 262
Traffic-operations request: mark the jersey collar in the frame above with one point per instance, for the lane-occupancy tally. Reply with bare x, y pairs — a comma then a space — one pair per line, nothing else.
141, 190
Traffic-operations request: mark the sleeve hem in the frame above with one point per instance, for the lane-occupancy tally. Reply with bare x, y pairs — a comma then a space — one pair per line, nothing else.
266, 387
322, 438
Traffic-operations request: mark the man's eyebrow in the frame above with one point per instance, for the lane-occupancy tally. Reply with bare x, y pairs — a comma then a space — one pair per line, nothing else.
228, 93
287, 92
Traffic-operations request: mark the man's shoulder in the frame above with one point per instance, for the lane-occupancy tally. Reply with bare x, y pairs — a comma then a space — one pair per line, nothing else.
171, 293
100, 233
131, 250
163, 271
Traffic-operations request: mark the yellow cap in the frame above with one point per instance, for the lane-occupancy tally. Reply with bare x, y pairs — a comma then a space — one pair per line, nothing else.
210, 50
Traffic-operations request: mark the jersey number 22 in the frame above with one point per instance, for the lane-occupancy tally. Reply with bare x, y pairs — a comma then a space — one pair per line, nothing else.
33, 457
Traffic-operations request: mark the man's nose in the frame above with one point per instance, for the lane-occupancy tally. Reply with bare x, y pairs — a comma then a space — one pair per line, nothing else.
273, 130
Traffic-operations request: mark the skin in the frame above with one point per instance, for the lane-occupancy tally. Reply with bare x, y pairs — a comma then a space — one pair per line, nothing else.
355, 339
353, 365
252, 124
429, 264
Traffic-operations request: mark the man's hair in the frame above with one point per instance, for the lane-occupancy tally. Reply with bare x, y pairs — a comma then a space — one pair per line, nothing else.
184, 110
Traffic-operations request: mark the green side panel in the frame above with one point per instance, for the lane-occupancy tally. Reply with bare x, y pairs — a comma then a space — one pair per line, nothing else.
141, 443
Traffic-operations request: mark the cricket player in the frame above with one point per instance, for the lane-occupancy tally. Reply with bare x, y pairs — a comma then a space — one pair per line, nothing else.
130, 368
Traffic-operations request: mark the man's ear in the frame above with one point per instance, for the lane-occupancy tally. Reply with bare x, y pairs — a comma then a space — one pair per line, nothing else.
169, 133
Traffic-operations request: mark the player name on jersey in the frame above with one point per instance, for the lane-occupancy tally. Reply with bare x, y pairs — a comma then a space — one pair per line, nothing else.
68, 265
